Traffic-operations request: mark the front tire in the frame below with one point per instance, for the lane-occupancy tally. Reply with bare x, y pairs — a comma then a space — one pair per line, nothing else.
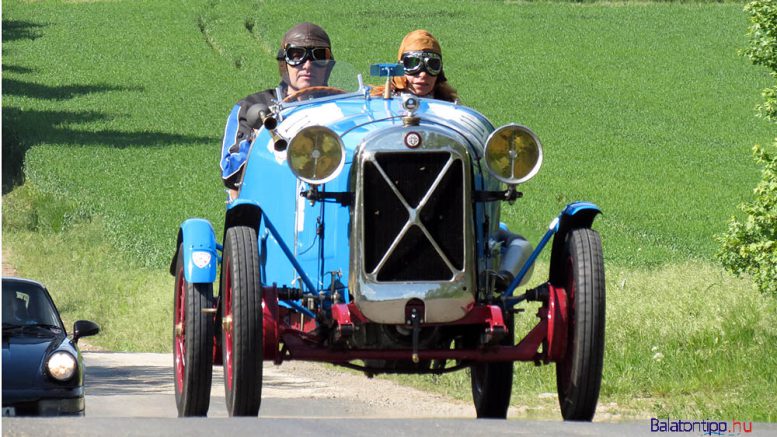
492, 383
241, 322
579, 373
192, 343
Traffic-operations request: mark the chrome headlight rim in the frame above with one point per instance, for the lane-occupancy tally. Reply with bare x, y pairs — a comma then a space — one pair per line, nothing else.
62, 366
292, 154
491, 141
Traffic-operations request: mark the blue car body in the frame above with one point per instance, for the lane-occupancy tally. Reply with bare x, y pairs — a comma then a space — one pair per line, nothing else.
302, 243
366, 233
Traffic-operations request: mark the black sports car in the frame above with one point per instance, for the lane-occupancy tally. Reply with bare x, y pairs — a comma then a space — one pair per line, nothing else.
43, 371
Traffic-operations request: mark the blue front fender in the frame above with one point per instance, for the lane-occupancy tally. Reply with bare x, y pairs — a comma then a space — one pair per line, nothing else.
577, 215
200, 251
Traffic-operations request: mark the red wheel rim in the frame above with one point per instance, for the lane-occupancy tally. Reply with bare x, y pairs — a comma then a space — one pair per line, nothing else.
227, 324
180, 331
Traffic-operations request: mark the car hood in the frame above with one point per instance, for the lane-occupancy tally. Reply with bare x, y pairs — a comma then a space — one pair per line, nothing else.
24, 355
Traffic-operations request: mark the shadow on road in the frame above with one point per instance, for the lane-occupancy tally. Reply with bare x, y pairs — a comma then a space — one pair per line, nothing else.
128, 380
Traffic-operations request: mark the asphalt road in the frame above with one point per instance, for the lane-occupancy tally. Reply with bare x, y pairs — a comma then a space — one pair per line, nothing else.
132, 394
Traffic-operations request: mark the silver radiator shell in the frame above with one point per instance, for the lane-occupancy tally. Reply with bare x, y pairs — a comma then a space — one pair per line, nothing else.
385, 301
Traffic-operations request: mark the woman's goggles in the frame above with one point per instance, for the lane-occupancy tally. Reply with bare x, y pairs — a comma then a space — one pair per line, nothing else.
416, 62
298, 55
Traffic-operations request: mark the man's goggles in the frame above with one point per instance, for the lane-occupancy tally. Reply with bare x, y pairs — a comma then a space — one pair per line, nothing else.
299, 55
416, 62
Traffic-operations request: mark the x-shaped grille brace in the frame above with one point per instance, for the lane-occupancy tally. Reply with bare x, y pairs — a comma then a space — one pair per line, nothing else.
414, 217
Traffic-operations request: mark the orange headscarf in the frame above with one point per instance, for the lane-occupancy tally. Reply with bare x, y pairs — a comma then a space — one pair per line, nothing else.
416, 40
422, 40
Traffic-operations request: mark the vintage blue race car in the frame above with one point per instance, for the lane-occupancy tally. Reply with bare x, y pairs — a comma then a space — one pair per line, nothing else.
367, 234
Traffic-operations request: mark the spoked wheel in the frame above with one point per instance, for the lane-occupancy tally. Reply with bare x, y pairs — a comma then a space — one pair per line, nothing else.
579, 374
241, 322
492, 383
192, 344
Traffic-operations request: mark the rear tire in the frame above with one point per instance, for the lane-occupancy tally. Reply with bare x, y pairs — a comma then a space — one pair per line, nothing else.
492, 383
579, 373
192, 344
241, 322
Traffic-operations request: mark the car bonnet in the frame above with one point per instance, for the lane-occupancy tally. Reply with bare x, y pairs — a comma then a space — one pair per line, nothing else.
23, 357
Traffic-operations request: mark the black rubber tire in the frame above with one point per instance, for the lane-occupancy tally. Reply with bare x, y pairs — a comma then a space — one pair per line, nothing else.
192, 344
241, 294
579, 374
492, 383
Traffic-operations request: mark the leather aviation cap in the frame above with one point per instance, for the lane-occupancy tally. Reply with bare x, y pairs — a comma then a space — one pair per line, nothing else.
303, 35
306, 35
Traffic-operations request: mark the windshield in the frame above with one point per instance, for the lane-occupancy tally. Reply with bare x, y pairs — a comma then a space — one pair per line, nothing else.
26, 304
345, 77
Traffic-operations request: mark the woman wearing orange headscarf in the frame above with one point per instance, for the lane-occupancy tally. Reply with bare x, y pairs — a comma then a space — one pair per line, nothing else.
421, 57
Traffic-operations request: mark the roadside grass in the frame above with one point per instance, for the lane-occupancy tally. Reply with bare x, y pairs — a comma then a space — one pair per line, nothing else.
682, 341
87, 277
644, 109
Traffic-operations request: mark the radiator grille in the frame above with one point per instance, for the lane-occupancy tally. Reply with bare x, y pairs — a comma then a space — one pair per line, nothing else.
411, 177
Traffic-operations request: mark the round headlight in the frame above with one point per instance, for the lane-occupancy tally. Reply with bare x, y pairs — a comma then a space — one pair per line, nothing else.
316, 155
513, 154
61, 366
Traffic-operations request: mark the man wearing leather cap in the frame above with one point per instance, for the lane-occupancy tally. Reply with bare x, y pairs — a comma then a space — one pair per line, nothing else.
304, 60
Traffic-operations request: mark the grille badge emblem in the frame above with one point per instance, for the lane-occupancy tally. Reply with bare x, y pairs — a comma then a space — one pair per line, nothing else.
413, 140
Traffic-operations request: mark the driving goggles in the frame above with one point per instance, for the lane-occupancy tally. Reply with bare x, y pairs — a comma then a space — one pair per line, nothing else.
295, 56
416, 62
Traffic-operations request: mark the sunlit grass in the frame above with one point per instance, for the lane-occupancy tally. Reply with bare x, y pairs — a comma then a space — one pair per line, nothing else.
87, 277
643, 108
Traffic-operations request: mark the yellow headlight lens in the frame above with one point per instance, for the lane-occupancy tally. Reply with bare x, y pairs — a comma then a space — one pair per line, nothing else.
316, 155
513, 154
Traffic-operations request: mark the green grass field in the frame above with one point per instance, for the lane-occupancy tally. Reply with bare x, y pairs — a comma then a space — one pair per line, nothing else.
644, 108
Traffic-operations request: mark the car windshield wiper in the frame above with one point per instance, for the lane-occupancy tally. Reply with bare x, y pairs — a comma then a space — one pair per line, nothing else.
12, 326
45, 325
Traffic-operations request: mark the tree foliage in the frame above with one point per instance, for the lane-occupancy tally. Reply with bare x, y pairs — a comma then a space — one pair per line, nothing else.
763, 47
750, 246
